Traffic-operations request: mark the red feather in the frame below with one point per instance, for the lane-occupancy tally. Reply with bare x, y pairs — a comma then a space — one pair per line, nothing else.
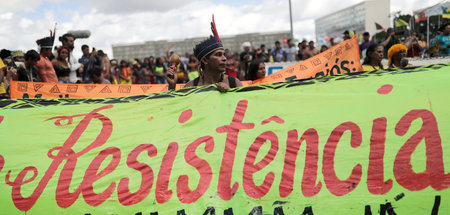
214, 29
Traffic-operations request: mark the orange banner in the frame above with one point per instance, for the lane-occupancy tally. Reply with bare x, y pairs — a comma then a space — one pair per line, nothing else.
340, 59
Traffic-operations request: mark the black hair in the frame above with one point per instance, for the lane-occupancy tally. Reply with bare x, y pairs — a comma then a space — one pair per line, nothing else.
4, 53
32, 55
84, 46
289, 40
263, 45
366, 34
253, 69
371, 49
64, 37
277, 42
101, 53
95, 71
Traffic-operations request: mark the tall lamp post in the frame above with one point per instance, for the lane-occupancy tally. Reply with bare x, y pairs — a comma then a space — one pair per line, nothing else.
290, 16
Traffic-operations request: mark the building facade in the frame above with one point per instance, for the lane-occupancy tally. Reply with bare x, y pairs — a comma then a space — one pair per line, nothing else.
359, 18
160, 47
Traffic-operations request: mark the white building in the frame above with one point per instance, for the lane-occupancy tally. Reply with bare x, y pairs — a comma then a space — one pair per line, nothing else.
360, 18
159, 48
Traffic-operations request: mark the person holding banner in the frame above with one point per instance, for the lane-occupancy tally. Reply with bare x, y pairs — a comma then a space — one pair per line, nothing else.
211, 54
397, 56
374, 55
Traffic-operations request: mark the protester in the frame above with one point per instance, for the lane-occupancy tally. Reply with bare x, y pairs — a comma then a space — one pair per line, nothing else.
279, 55
263, 54
374, 56
257, 70
397, 56
18, 57
160, 71
46, 71
291, 51
29, 72
390, 40
323, 48
346, 35
76, 69
125, 73
301, 49
246, 57
414, 46
365, 44
61, 66
97, 76
193, 68
211, 55
312, 49
444, 41
230, 69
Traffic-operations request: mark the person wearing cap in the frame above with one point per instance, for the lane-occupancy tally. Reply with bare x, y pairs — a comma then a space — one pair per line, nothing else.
211, 55
18, 56
46, 71
365, 44
397, 56
390, 40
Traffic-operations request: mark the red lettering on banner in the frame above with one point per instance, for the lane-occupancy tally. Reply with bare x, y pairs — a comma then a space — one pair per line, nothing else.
375, 173
309, 187
333, 183
91, 176
185, 194
162, 192
2, 163
434, 174
65, 153
226, 169
123, 192
250, 167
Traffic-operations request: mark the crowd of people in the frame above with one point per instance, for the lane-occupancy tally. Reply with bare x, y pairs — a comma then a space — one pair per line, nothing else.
58, 64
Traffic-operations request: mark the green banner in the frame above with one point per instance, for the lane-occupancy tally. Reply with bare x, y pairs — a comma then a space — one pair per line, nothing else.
366, 143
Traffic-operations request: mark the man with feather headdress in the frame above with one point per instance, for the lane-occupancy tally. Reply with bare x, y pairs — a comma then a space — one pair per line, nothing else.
211, 55
46, 71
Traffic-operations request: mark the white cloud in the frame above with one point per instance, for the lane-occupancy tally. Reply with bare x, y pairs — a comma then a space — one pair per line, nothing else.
114, 22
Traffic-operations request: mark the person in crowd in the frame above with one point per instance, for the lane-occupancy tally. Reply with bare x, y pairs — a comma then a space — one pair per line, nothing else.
76, 69
61, 66
211, 55
444, 41
263, 54
257, 70
301, 48
374, 56
323, 48
332, 42
246, 57
397, 56
106, 63
279, 55
291, 51
7, 73
390, 40
29, 72
84, 60
97, 76
46, 71
230, 69
414, 46
312, 49
160, 71
365, 44
346, 35
125, 73
18, 57
114, 79
193, 68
